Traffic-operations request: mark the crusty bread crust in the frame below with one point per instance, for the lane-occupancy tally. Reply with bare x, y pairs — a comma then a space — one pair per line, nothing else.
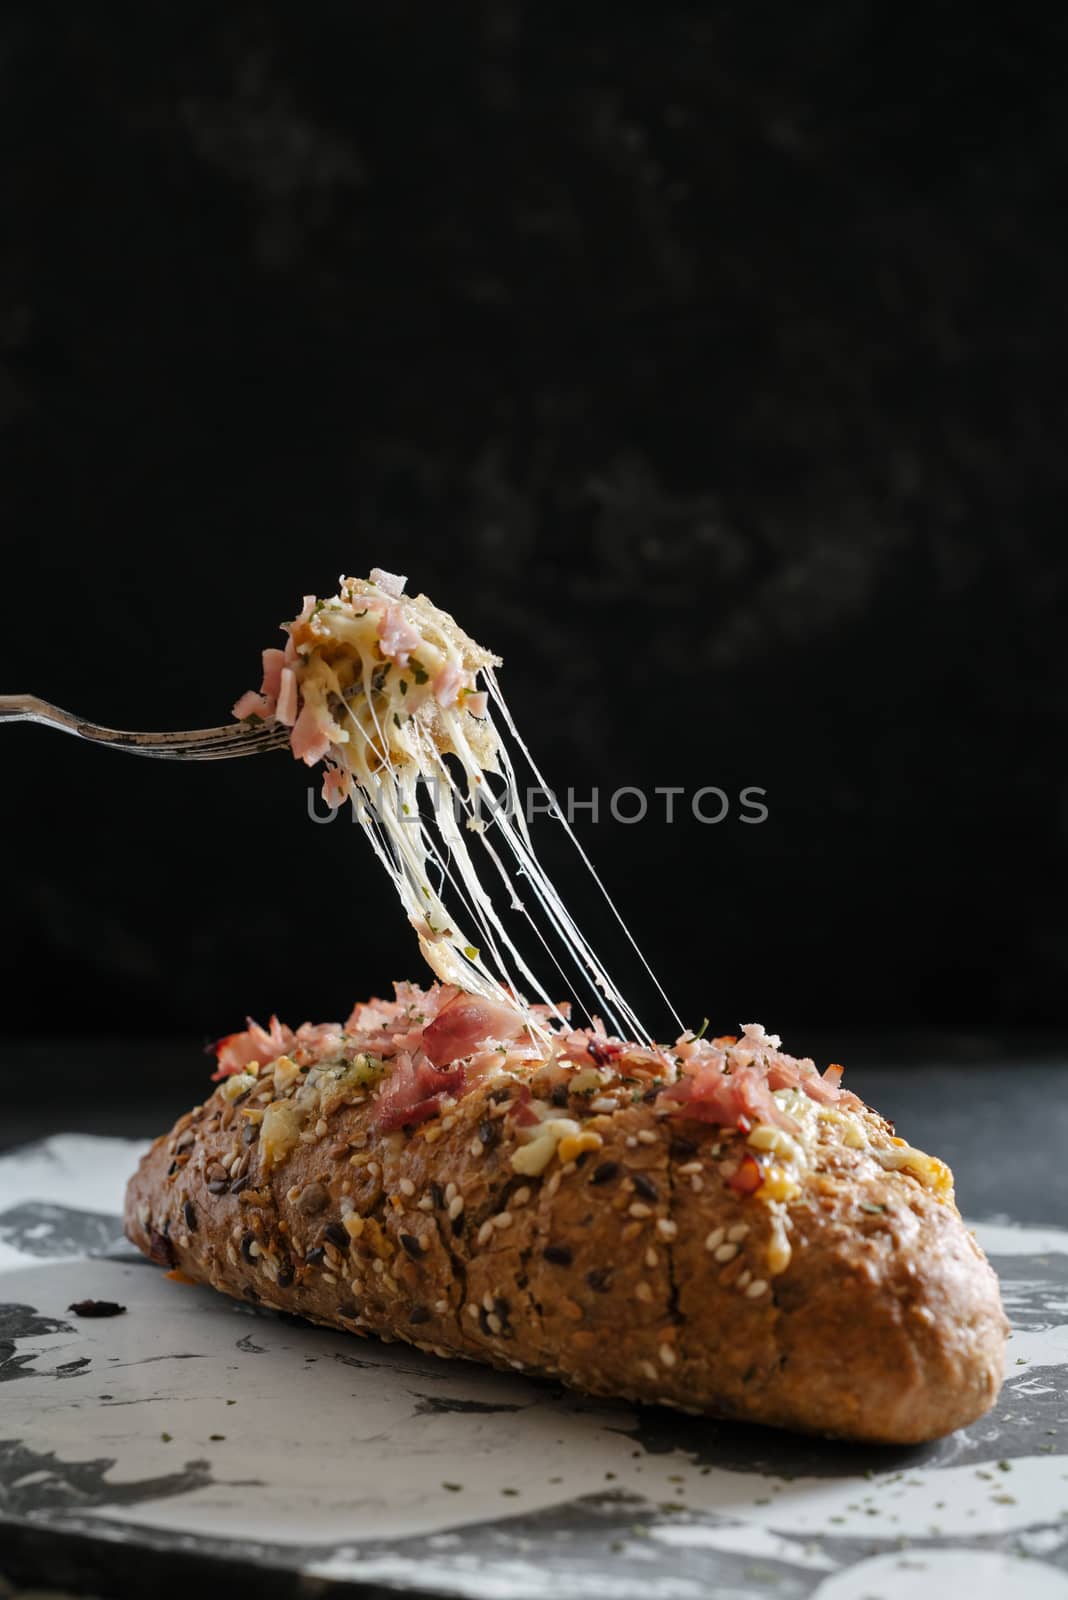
632, 1270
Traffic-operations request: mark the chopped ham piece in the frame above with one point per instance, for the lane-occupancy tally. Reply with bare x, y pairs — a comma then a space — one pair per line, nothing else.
236, 1051
391, 582
448, 683
397, 636
273, 662
467, 1023
252, 704
310, 741
337, 786
286, 710
726, 1080
414, 1089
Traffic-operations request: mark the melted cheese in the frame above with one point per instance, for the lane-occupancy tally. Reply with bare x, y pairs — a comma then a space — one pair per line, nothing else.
390, 683
797, 1153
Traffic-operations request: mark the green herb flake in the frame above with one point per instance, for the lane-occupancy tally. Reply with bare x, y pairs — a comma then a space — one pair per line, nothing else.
471, 952
872, 1207
453, 1488
166, 1437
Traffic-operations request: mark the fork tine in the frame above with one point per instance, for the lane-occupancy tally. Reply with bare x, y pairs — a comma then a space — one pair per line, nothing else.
196, 744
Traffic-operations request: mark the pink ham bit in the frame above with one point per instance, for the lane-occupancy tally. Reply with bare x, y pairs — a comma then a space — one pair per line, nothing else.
310, 743
467, 1023
414, 1089
235, 1051
397, 636
390, 583
448, 683
286, 709
337, 786
273, 662
252, 704
477, 704
730, 1082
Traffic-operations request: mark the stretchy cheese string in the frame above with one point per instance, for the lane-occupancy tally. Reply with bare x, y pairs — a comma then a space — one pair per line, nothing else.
394, 736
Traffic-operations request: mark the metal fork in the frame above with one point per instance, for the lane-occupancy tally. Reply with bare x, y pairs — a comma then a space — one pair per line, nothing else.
195, 744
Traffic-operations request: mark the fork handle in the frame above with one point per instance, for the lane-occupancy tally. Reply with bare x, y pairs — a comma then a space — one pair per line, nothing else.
28, 708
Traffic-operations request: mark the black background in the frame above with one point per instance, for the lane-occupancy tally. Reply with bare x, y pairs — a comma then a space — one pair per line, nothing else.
708, 363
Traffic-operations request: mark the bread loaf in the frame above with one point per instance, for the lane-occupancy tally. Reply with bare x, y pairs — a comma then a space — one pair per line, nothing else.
605, 1239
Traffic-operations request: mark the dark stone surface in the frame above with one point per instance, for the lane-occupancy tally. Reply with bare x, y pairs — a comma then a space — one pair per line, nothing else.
709, 363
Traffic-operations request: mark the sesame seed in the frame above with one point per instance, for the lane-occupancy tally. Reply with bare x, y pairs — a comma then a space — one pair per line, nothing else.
715, 1239
648, 1370
697, 1184
521, 1196
642, 1291
426, 1203
456, 1205
739, 1231
667, 1355
503, 1219
603, 1104
651, 1257
448, 1121
487, 1300
493, 1322
756, 1288
631, 1143
646, 1136
639, 1209
744, 1278
485, 1233
378, 1266
328, 1277
450, 1191
441, 1306
690, 1166
552, 1185
666, 1228
373, 1168
406, 1187
725, 1252
320, 1127
472, 1310
476, 1147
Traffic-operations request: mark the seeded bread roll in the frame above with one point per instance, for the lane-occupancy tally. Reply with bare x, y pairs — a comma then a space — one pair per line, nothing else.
627, 1263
